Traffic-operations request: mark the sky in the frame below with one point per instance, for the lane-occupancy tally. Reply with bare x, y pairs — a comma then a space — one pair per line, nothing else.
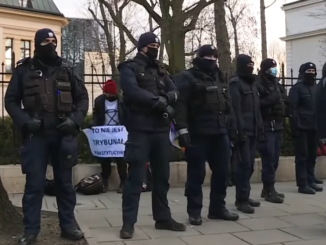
275, 21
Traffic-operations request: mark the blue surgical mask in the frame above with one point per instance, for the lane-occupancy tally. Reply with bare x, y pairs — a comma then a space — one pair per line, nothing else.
273, 71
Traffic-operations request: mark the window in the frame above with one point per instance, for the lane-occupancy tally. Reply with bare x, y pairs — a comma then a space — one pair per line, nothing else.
25, 49
8, 53
26, 3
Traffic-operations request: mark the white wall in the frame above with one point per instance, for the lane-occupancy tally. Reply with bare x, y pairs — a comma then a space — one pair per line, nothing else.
299, 20
308, 49
305, 35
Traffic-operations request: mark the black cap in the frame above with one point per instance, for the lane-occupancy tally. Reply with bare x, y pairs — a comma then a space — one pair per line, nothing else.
267, 63
307, 66
207, 50
43, 34
146, 39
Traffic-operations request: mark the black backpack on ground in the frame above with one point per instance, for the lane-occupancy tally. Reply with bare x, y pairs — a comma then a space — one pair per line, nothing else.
91, 185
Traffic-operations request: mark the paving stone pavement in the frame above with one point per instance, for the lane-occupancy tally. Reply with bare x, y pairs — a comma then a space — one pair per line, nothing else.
300, 220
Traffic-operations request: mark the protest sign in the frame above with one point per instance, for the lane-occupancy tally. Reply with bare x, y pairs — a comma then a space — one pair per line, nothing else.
107, 141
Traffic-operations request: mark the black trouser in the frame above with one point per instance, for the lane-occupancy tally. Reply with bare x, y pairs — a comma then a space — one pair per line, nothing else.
270, 150
216, 150
141, 147
107, 169
36, 153
305, 150
233, 164
245, 168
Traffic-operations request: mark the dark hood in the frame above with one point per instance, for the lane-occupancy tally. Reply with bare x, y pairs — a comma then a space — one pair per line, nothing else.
324, 70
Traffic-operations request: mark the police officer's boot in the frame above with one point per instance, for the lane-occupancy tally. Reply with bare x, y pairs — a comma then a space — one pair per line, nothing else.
224, 214
195, 220
120, 189
27, 239
263, 194
318, 181
271, 195
127, 231
245, 207
73, 234
316, 187
254, 203
306, 190
105, 185
170, 225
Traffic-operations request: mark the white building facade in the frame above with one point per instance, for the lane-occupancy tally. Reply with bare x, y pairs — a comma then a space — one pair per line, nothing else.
305, 23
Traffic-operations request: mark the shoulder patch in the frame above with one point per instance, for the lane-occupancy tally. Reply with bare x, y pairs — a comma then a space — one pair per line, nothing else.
23, 61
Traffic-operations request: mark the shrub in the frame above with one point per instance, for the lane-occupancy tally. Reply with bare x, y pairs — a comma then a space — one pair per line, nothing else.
10, 144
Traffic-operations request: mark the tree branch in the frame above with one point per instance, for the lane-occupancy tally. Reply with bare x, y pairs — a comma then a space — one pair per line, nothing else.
118, 22
95, 18
150, 10
270, 4
194, 14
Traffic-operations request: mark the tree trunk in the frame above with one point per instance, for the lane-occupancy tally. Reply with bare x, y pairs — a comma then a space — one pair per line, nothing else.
236, 40
222, 37
263, 30
10, 218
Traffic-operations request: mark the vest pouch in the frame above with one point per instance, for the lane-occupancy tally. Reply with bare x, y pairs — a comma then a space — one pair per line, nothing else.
31, 91
64, 101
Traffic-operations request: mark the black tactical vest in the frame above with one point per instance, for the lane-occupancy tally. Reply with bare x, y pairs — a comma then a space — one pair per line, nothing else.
48, 94
276, 111
211, 95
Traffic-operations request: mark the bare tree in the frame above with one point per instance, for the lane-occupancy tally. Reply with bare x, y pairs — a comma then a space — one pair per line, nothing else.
175, 21
244, 26
222, 37
276, 51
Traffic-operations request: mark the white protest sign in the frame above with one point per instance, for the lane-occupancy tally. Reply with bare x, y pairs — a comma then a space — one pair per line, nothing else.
107, 141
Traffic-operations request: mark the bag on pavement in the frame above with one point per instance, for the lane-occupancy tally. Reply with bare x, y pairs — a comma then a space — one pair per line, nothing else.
91, 185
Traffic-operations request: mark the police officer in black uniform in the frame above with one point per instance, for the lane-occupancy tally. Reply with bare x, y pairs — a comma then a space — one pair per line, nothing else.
246, 105
302, 101
202, 116
321, 113
273, 107
55, 103
149, 94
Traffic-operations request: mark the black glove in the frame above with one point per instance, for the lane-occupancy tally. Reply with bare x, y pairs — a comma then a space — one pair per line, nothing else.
275, 97
169, 112
184, 140
242, 136
34, 125
161, 104
68, 126
91, 124
261, 136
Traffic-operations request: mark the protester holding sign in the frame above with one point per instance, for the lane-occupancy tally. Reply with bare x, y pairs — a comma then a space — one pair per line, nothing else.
107, 111
149, 94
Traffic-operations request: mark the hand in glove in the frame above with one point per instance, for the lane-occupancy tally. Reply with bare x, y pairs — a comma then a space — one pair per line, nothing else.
169, 111
91, 124
275, 97
242, 136
161, 104
68, 126
261, 136
33, 125
184, 140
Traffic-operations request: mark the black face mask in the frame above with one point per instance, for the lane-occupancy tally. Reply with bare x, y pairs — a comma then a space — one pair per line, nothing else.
152, 53
309, 78
111, 98
47, 51
205, 64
